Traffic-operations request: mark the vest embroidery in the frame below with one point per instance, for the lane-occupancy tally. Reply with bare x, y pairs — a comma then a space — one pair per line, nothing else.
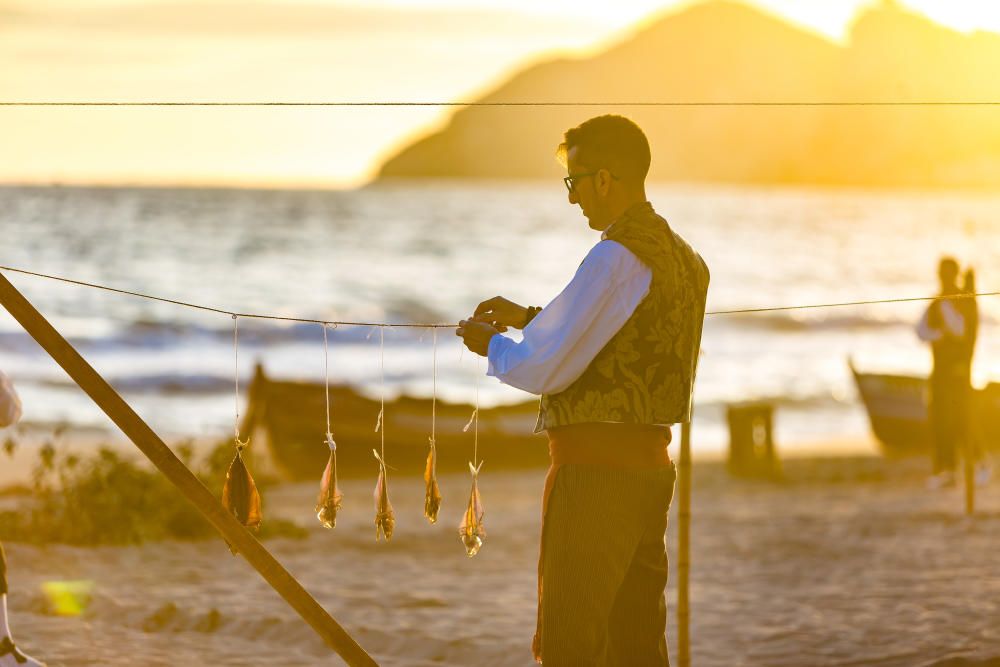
645, 374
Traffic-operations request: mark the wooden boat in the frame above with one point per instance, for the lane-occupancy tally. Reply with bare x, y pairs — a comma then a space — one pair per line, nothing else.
289, 419
897, 410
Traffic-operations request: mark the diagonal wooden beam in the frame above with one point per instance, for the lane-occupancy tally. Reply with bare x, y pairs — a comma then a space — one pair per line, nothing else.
115, 407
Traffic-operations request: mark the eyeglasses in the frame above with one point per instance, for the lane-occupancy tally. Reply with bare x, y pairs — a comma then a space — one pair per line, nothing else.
571, 180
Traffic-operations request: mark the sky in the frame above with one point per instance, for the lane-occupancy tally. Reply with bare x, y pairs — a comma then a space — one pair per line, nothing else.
306, 50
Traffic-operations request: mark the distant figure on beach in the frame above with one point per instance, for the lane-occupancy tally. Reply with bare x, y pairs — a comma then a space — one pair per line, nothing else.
950, 324
613, 357
10, 412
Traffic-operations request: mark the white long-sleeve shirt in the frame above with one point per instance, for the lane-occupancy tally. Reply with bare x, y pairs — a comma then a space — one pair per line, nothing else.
562, 340
951, 318
10, 404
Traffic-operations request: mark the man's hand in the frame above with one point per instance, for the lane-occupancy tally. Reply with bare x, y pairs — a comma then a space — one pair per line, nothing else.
501, 313
476, 335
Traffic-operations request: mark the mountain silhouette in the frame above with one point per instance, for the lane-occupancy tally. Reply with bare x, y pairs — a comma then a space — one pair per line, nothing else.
723, 51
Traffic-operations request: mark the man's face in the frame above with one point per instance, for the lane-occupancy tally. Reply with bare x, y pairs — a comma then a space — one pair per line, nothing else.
585, 192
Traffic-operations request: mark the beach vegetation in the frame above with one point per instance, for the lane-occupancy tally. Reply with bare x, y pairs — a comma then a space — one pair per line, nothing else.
110, 498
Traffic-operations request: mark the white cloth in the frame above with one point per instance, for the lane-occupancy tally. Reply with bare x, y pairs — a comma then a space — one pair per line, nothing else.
953, 321
10, 404
562, 340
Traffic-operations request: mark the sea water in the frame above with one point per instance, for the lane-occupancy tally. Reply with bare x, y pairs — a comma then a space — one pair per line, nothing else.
428, 252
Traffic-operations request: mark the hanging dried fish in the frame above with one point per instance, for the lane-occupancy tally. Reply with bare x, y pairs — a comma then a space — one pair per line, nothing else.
385, 520
239, 493
432, 499
328, 503
472, 529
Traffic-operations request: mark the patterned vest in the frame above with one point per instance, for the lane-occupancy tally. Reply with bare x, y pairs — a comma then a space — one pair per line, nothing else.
645, 374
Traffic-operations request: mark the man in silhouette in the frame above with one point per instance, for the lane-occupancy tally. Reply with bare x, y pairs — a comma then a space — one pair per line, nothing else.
10, 412
950, 324
613, 357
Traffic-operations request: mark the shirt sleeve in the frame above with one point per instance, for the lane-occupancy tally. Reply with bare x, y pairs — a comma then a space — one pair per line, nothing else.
562, 340
924, 330
10, 404
953, 319
953, 323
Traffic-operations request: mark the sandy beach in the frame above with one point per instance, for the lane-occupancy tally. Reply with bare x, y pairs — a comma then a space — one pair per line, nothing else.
850, 561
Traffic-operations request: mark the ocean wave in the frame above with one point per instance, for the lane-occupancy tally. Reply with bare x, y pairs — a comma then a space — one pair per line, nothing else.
810, 321
146, 335
791, 323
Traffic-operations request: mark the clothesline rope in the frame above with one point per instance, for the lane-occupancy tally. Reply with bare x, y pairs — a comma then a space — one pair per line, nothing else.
460, 103
236, 381
259, 316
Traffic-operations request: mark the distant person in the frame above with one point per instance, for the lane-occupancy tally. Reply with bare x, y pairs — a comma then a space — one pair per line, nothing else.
10, 412
950, 324
613, 357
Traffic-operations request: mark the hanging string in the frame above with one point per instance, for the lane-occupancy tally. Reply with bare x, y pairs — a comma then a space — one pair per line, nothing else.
434, 385
380, 425
326, 384
236, 380
475, 440
474, 421
281, 318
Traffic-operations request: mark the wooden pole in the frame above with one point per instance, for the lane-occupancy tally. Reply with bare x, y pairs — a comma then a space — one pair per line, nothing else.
162, 457
684, 549
968, 467
970, 486
971, 442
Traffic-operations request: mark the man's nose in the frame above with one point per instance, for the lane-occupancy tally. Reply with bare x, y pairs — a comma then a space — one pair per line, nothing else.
572, 197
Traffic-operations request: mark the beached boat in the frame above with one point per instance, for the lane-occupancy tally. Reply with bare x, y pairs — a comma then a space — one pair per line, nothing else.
289, 419
897, 410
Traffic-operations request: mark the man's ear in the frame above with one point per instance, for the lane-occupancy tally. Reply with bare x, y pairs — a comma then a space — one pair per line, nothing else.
603, 181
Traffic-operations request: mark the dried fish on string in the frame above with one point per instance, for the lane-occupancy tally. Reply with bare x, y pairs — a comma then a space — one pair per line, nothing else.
472, 529
328, 503
432, 498
239, 493
385, 519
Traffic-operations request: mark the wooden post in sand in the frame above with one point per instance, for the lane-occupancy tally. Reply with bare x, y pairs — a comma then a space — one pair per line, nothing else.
684, 548
153, 447
968, 467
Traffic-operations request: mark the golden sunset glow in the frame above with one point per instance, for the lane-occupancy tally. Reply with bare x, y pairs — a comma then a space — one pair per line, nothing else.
306, 51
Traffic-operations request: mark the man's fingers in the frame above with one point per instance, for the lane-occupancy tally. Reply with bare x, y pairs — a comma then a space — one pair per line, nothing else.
487, 305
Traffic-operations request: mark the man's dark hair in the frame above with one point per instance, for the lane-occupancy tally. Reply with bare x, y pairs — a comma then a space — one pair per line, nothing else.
609, 142
948, 269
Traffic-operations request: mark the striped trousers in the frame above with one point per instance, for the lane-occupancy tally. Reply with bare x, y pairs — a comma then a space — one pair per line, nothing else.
604, 567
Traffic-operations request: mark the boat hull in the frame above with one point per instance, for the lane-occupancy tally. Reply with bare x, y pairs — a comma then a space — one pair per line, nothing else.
897, 411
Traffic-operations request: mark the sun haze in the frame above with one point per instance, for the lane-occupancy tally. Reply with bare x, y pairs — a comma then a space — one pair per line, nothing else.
133, 50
